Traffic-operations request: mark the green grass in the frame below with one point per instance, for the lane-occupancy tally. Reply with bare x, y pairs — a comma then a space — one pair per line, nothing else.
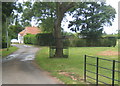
11, 50
74, 65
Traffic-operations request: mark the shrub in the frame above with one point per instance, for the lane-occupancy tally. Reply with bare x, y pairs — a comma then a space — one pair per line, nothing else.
80, 43
45, 39
111, 41
102, 42
4, 42
30, 39
66, 42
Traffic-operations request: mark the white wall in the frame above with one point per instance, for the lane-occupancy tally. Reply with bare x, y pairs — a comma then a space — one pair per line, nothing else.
20, 38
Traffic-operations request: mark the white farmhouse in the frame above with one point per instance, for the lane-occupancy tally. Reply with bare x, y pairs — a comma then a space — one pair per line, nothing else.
30, 30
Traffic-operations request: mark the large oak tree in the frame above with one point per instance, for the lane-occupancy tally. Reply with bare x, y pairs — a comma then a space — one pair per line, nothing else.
42, 11
56, 10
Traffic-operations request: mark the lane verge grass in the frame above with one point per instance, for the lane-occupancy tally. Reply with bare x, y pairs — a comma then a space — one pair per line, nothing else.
70, 70
4, 52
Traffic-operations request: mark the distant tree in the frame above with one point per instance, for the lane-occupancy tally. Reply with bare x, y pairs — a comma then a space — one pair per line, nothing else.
7, 11
47, 25
90, 19
14, 29
27, 14
10, 16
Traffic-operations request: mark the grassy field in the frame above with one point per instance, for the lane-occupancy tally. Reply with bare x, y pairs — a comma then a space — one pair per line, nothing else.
70, 70
4, 52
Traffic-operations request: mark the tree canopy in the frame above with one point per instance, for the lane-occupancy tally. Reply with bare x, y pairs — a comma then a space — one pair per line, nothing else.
8, 18
91, 18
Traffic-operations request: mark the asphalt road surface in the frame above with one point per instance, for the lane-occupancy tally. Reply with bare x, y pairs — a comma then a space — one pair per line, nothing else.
19, 68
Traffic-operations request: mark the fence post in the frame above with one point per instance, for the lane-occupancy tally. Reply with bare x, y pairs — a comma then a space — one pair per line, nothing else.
85, 68
113, 72
50, 51
97, 63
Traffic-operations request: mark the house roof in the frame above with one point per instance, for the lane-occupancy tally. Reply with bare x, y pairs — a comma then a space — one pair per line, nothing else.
31, 30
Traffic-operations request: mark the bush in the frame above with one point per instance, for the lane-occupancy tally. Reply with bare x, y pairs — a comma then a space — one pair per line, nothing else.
4, 42
80, 43
102, 42
30, 39
45, 39
109, 42
4, 45
66, 42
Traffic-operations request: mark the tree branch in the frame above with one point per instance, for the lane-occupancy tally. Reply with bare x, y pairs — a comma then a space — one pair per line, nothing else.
67, 5
47, 5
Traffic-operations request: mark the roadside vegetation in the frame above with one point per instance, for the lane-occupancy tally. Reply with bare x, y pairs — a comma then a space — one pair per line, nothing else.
70, 70
4, 51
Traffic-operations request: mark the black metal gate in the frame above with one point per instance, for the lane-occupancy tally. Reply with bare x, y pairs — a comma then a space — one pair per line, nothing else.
97, 74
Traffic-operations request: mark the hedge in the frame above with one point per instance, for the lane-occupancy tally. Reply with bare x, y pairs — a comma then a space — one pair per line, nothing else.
30, 39
102, 42
47, 39
43, 39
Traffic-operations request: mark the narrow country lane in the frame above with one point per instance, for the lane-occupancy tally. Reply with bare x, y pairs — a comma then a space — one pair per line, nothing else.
19, 68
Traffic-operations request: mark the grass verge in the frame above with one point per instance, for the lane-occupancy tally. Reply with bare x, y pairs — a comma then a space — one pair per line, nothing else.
11, 50
70, 70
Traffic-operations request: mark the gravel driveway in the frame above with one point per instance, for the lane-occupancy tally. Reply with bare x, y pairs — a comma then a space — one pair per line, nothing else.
19, 68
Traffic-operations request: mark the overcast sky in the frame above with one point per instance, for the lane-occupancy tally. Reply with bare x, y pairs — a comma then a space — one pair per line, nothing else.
114, 27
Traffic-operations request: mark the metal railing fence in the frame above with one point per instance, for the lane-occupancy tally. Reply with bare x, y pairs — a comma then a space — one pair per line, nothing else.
97, 74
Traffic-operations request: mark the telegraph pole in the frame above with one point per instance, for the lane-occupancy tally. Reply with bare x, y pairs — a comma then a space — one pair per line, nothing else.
7, 33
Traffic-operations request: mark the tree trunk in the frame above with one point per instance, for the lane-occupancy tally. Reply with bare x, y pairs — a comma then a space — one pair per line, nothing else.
61, 9
57, 32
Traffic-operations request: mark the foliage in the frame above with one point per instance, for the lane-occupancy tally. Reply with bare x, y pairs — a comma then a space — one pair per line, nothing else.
14, 29
117, 36
5, 11
30, 39
90, 19
4, 42
47, 25
80, 43
5, 14
25, 20
108, 42
45, 39
8, 16
101, 42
